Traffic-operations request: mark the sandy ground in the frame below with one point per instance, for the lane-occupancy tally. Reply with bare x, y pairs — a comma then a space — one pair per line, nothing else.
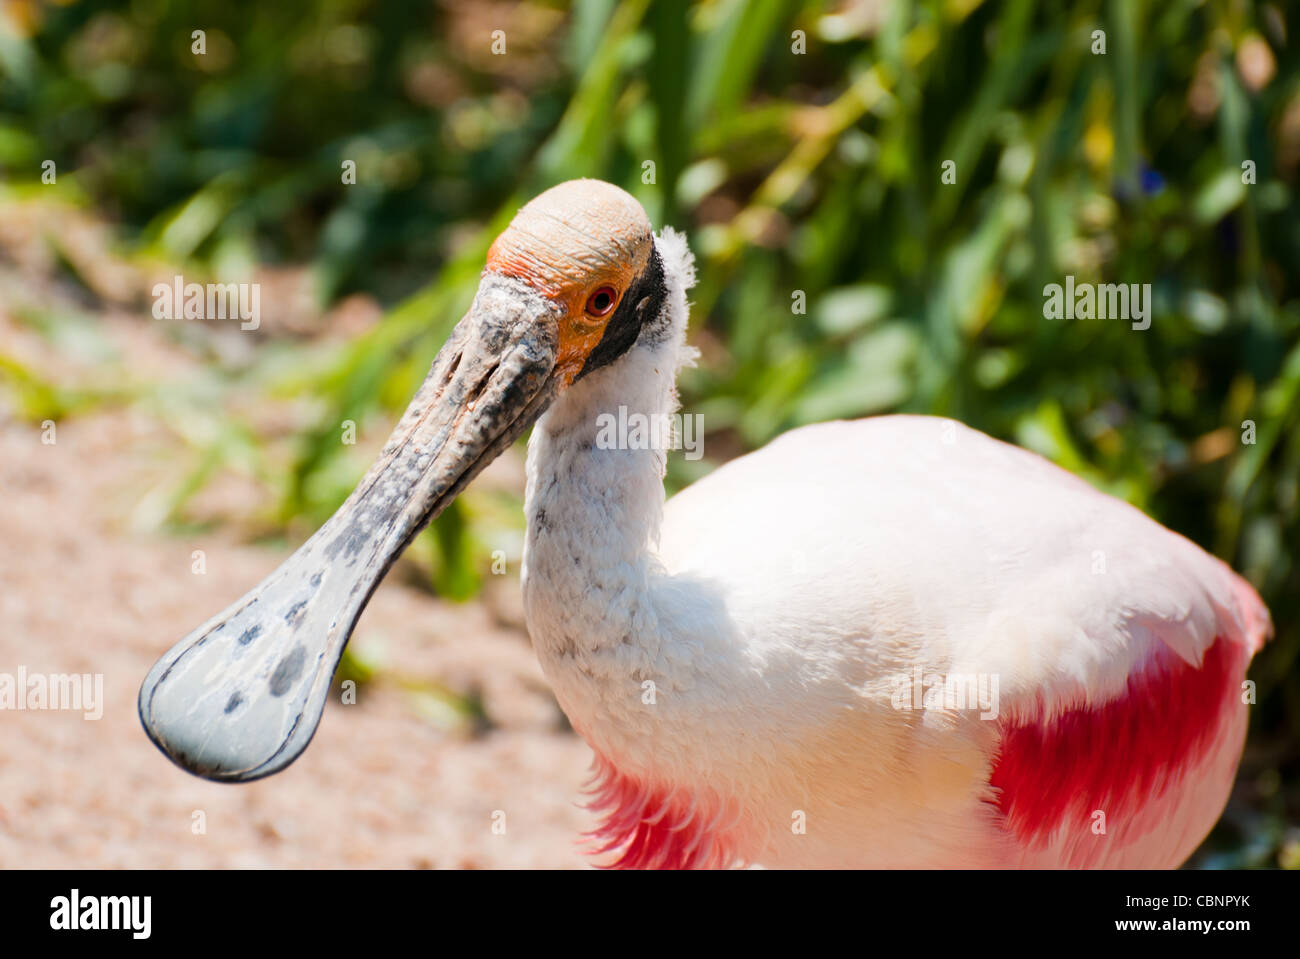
381, 785
387, 782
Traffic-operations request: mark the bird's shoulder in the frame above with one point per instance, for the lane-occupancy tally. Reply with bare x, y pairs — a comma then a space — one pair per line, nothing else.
926, 534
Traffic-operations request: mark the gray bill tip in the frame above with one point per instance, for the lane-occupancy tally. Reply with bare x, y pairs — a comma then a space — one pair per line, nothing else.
240, 698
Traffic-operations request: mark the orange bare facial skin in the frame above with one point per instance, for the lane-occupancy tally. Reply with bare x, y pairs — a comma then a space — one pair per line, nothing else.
569, 243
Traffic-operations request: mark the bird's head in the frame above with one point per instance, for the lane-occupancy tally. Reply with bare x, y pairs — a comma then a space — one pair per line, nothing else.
567, 289
586, 250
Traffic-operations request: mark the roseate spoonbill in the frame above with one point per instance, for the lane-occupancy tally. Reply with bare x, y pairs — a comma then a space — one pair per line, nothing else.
890, 642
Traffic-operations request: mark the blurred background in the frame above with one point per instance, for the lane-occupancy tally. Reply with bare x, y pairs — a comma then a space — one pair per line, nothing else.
800, 145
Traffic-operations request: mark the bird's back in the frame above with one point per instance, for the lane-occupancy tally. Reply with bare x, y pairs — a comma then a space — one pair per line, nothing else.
915, 555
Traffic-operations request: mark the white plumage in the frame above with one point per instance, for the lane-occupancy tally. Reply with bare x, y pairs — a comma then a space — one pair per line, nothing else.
892, 642
775, 604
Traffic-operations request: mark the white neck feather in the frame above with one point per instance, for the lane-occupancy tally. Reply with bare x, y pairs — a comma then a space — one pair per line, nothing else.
594, 517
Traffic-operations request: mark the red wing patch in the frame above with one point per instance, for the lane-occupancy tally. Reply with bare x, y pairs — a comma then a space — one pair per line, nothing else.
1120, 755
653, 827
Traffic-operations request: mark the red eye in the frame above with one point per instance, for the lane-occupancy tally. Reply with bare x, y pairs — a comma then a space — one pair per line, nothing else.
602, 301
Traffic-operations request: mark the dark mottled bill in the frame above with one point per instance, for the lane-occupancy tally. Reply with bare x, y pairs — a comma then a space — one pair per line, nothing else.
241, 696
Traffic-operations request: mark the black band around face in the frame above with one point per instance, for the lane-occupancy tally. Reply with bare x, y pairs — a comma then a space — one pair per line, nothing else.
641, 305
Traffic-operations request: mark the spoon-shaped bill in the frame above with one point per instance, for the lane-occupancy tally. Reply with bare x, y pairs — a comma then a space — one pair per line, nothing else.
241, 696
